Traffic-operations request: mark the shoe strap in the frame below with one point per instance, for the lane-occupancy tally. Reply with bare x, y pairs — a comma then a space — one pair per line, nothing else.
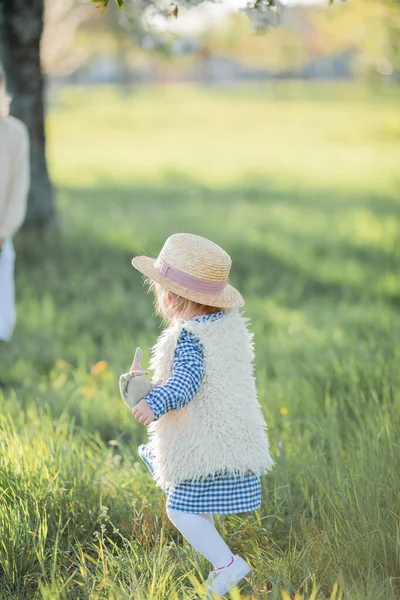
224, 567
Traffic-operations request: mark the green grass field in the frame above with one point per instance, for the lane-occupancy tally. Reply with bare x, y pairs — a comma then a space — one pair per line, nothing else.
300, 184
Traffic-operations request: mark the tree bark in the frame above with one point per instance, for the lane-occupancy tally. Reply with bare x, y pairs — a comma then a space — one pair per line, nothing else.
21, 26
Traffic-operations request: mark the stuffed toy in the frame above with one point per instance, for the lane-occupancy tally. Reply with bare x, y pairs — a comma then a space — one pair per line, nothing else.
134, 385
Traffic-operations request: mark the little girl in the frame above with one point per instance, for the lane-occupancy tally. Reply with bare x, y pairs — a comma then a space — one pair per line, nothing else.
208, 442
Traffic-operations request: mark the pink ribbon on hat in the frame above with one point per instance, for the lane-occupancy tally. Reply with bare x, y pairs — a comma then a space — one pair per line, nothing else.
209, 288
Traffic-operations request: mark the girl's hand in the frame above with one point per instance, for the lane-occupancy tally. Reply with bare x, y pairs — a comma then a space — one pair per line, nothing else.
143, 413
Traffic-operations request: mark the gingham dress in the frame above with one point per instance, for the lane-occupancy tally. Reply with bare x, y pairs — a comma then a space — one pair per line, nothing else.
219, 494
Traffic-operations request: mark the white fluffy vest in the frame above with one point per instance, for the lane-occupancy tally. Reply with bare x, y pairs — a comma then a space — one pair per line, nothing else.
222, 428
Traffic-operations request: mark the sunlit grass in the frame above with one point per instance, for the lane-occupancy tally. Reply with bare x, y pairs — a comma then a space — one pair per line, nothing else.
348, 138
300, 185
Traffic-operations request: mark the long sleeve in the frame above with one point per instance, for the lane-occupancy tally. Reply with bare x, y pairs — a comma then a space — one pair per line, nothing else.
185, 380
13, 204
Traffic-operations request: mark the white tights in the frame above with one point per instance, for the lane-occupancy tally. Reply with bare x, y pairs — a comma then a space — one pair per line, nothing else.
198, 529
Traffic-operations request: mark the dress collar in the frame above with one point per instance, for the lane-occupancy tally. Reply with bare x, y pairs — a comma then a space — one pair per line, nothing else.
210, 317
202, 318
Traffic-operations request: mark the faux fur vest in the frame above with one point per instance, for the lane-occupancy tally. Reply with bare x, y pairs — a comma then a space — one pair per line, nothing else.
222, 429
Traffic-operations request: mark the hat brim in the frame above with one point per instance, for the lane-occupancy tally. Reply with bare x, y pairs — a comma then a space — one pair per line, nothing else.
229, 298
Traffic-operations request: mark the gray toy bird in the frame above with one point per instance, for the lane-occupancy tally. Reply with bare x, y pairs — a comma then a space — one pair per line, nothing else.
134, 385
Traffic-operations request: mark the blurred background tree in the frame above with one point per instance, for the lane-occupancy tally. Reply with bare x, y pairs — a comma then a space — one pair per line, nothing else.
68, 41
21, 27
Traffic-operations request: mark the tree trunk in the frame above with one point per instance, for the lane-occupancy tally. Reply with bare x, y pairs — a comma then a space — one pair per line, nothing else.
21, 26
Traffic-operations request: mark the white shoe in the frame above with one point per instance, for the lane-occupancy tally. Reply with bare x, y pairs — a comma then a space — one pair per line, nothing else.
220, 582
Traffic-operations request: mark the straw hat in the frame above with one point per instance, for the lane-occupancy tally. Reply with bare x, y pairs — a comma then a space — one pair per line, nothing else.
193, 267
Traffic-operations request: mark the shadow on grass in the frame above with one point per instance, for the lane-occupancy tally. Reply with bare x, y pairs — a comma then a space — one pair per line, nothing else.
81, 285
273, 253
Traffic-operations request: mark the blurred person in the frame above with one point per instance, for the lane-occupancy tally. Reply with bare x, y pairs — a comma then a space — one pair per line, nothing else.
14, 187
209, 443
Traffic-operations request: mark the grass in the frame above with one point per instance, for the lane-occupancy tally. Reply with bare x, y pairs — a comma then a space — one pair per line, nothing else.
300, 184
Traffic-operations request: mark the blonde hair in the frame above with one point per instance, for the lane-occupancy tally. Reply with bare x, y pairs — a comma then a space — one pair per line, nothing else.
183, 308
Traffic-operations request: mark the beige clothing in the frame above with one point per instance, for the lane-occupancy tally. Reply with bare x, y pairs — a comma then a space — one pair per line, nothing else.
223, 427
14, 175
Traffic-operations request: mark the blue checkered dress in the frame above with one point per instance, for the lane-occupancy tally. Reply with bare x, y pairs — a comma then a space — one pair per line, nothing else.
221, 493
